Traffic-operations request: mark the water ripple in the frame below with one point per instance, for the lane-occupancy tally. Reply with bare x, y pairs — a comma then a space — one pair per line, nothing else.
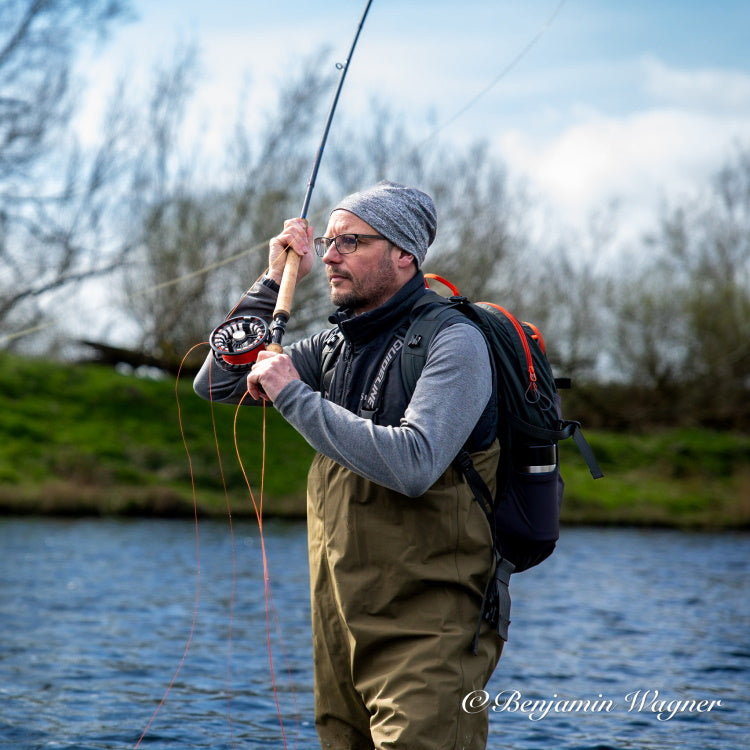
95, 616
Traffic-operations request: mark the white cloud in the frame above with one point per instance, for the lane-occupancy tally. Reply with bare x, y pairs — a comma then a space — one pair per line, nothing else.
565, 139
637, 159
708, 89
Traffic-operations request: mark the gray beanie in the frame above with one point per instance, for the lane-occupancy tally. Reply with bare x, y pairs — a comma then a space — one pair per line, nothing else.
403, 215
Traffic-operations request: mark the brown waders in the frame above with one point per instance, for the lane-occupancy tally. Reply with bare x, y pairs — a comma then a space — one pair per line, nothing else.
396, 586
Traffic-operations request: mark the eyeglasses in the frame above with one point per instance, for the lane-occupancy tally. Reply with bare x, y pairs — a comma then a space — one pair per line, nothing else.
345, 243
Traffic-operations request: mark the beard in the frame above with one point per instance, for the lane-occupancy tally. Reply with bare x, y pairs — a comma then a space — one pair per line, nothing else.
369, 292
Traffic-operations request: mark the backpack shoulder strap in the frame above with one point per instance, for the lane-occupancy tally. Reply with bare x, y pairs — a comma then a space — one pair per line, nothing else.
428, 316
329, 357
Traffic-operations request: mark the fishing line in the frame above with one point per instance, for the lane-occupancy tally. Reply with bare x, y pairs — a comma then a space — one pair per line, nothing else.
270, 609
270, 596
499, 77
197, 556
9, 338
233, 584
258, 507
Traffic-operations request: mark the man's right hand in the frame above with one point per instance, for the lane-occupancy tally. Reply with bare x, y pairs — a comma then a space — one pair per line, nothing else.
297, 235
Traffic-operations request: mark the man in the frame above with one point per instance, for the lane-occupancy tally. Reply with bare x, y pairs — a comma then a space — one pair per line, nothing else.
400, 553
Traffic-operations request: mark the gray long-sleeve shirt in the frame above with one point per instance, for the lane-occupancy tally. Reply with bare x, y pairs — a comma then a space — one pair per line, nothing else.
448, 400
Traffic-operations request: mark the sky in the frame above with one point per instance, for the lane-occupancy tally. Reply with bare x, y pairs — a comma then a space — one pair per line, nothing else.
636, 101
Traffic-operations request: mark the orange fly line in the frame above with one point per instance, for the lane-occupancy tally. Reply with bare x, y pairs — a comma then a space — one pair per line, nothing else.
270, 609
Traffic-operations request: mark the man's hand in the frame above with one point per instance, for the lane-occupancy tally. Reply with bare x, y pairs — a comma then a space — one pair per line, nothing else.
270, 373
298, 235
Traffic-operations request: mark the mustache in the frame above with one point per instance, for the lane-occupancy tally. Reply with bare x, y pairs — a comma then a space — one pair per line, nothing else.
342, 274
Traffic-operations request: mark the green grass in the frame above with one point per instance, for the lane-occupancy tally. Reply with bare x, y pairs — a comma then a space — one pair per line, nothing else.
84, 439
690, 478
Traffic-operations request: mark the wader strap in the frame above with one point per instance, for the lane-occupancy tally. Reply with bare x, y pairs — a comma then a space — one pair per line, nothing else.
369, 403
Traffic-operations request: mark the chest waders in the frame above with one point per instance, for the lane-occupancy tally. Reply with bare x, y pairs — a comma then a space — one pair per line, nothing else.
396, 587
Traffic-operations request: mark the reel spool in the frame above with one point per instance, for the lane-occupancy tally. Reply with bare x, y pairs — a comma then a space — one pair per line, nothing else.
238, 341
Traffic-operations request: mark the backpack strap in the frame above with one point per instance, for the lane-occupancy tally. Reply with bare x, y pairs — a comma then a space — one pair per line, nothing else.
568, 428
478, 487
328, 358
496, 599
585, 449
428, 315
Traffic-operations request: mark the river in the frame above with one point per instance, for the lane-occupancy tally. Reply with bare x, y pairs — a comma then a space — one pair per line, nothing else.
622, 639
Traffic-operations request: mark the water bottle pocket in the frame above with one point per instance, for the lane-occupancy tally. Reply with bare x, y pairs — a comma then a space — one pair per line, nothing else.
535, 459
528, 516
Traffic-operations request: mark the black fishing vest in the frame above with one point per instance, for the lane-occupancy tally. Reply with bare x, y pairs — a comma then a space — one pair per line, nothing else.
361, 368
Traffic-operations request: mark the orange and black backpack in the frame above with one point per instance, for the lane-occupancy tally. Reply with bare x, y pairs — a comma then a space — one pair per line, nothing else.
525, 512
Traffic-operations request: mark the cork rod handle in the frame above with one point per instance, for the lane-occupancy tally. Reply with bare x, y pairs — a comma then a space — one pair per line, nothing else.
286, 293
288, 283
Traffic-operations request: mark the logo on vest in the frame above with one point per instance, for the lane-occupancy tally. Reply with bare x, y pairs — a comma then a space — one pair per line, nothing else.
370, 401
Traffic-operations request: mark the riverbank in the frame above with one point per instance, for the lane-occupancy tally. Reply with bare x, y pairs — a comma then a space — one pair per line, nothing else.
86, 440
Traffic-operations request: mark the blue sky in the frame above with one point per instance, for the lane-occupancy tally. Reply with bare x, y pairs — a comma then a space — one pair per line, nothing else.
631, 100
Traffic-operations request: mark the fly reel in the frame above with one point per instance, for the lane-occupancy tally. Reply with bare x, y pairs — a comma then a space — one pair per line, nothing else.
238, 341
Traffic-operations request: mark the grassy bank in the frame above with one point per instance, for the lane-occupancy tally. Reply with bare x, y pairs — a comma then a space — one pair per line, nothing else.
676, 478
85, 439
82, 439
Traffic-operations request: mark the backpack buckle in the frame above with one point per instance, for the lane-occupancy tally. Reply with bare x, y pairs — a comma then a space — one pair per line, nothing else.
463, 459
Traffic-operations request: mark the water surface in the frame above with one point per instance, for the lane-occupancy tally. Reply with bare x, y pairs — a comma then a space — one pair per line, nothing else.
95, 617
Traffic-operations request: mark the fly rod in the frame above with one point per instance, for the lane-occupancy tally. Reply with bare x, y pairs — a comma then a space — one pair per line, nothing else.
289, 278
239, 340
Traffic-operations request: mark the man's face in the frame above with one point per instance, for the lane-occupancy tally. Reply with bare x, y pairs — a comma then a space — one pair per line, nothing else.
366, 278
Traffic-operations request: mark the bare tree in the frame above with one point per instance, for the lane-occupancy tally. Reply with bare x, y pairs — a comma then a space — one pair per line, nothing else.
684, 317
200, 248
54, 199
481, 233
187, 231
708, 255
